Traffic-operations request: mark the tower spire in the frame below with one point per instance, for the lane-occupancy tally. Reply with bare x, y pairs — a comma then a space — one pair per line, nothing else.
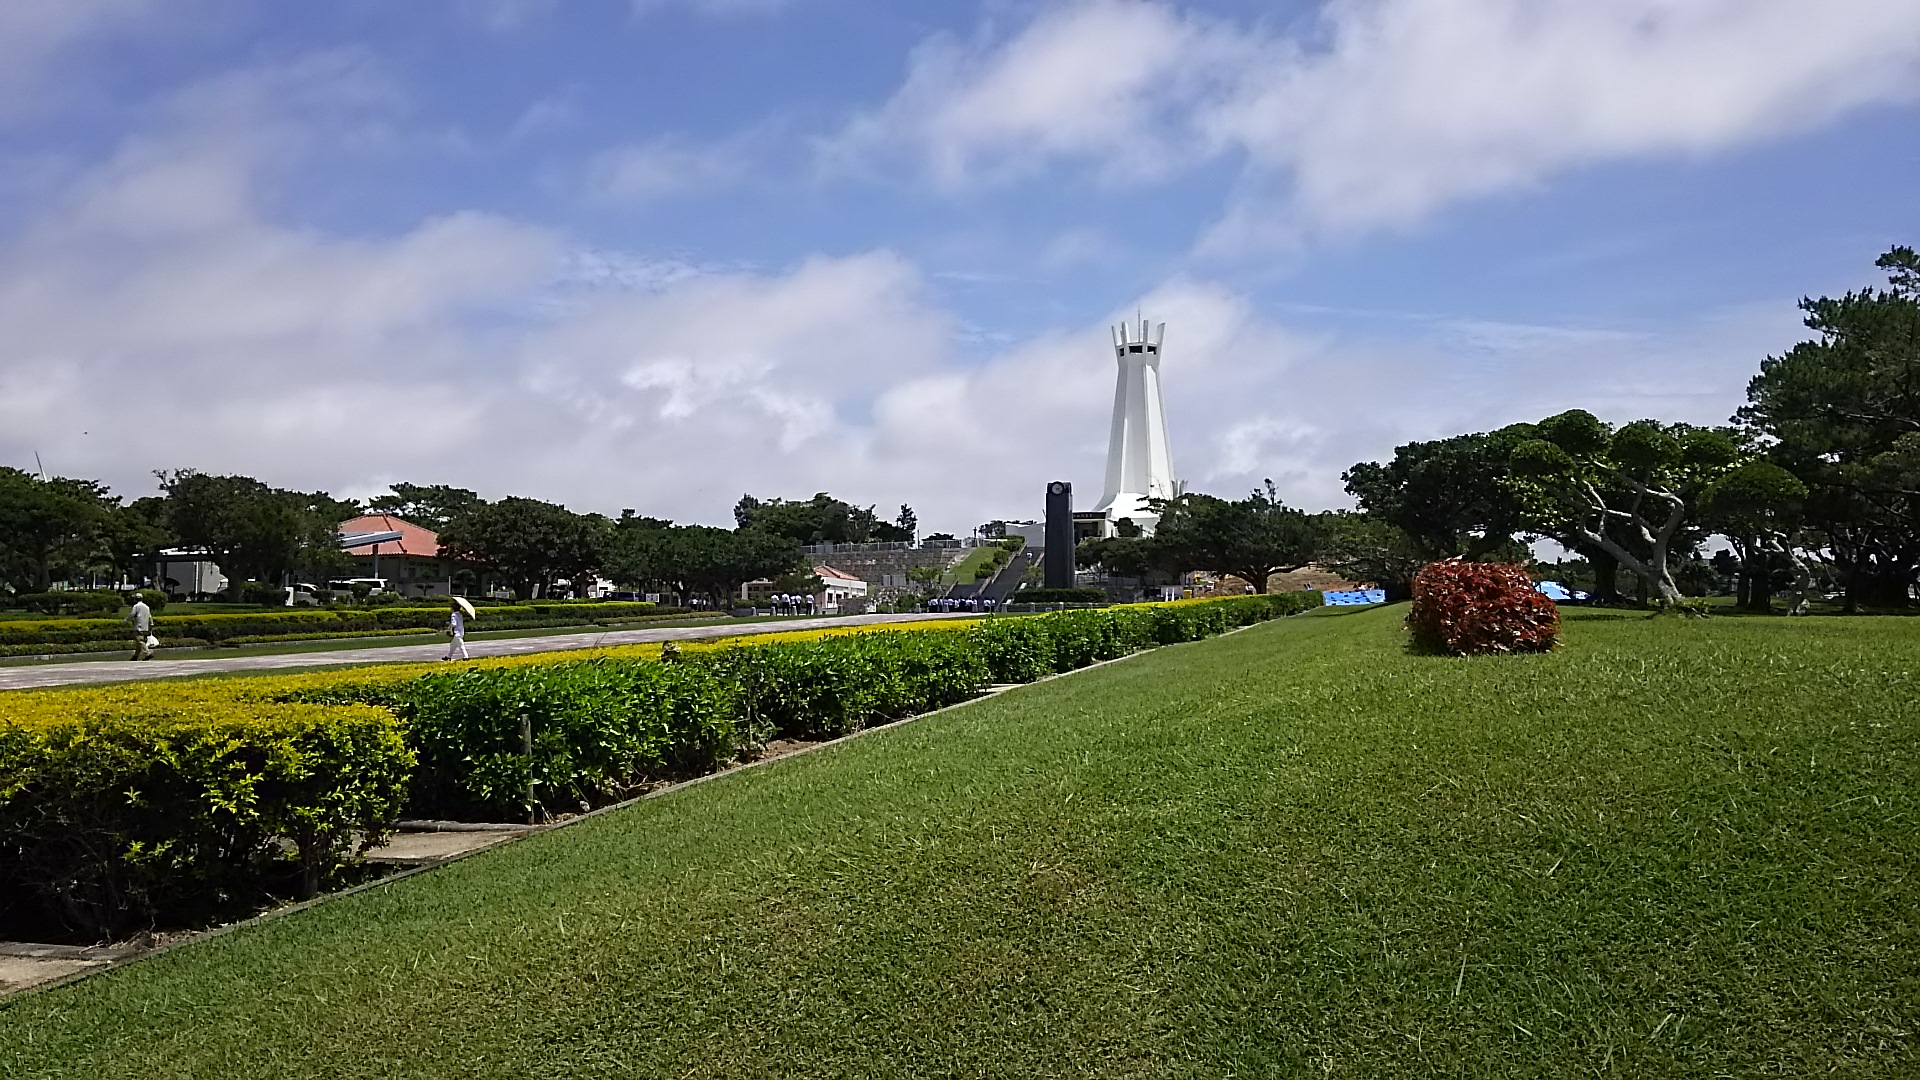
1139, 466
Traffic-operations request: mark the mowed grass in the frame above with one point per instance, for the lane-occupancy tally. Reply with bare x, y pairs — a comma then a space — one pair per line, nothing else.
1673, 848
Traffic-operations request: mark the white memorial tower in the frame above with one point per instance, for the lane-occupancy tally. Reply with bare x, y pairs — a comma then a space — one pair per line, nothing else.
1138, 464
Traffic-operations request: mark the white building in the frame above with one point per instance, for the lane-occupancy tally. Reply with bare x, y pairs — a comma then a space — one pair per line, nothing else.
188, 572
839, 591
1139, 465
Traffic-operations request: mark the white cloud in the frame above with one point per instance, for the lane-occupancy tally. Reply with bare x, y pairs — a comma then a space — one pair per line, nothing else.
1420, 102
666, 167
160, 316
1104, 80
36, 34
1386, 109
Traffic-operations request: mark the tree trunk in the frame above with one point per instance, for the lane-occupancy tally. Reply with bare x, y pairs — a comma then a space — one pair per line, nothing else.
1875, 583
1743, 577
1800, 601
1760, 580
1606, 577
1655, 580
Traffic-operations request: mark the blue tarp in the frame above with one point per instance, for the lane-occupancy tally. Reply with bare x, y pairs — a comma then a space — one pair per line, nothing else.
1557, 592
1356, 597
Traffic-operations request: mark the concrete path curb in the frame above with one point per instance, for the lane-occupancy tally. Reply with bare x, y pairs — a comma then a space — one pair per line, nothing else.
107, 671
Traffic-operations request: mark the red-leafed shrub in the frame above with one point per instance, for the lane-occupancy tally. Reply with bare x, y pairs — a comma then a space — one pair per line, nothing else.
1467, 608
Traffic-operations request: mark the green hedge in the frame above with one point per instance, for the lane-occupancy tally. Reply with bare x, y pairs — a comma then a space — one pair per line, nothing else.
601, 728
605, 727
1060, 596
174, 807
73, 602
219, 628
105, 646
833, 686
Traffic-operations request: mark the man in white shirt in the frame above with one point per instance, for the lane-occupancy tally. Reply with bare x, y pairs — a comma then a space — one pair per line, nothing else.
142, 619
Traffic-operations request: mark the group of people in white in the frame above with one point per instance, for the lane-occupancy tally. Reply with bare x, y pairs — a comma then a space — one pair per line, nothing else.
960, 603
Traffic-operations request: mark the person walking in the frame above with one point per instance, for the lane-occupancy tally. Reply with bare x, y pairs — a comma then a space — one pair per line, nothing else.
457, 626
142, 619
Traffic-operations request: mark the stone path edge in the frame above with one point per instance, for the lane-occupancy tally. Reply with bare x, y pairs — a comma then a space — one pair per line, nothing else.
134, 957
98, 672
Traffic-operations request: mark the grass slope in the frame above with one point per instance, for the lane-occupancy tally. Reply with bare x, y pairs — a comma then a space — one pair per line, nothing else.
1670, 849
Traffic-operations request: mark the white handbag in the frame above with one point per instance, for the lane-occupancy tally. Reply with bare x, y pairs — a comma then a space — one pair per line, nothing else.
152, 642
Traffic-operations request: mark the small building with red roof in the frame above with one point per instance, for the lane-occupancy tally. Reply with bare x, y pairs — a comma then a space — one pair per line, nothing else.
411, 565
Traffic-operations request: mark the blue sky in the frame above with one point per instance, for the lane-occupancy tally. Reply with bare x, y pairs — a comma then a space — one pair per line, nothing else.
658, 253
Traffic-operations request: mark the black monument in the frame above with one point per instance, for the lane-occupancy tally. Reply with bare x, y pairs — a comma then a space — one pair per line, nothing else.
1059, 558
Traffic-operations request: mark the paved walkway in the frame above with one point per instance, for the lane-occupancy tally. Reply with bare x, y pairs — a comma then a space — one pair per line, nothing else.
104, 671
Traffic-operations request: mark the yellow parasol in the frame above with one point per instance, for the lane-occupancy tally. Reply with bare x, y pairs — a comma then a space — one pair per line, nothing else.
466, 607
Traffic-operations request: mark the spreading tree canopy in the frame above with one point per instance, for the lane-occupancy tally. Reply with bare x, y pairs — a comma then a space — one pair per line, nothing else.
253, 531
822, 519
430, 506
1449, 497
528, 543
1843, 412
1251, 538
1586, 479
47, 524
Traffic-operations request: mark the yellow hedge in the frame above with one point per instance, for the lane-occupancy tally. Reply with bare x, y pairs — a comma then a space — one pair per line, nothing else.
126, 806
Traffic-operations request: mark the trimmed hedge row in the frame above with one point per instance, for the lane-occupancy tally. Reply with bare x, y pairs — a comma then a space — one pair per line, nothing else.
121, 644
78, 602
1060, 596
611, 724
218, 628
123, 808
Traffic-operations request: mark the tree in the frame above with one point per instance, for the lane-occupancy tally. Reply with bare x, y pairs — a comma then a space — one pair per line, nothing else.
134, 535
530, 544
634, 551
1251, 538
798, 583
430, 506
908, 522
1584, 478
1844, 413
254, 532
1123, 556
822, 519
1362, 547
697, 560
1757, 506
46, 524
1448, 497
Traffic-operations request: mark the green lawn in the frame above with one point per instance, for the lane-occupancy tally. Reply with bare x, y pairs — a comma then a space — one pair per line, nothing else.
963, 571
1673, 848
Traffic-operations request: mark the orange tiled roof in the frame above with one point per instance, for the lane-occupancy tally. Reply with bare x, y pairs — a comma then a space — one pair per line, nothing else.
414, 540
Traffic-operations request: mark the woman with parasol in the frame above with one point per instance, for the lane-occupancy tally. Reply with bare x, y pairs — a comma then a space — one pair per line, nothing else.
457, 626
